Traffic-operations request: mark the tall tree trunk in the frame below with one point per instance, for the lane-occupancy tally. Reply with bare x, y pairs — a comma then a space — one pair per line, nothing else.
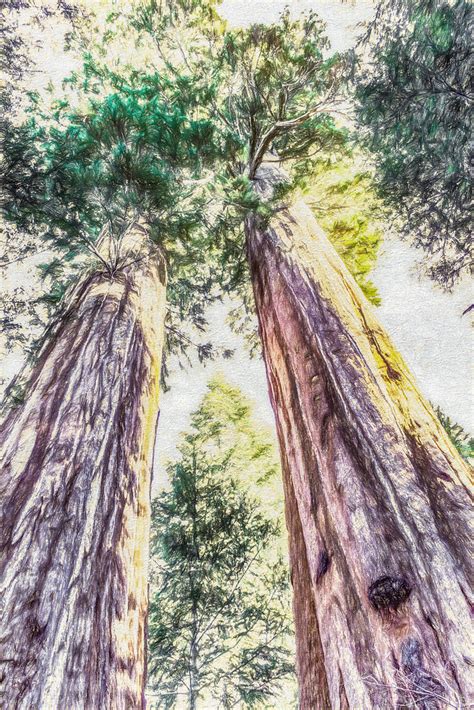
193, 649
75, 485
193, 675
377, 498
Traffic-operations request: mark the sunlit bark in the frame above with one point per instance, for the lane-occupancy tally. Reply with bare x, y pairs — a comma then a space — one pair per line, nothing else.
75, 484
378, 504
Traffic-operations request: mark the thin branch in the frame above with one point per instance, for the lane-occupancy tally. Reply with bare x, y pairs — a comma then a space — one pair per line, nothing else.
92, 248
4, 264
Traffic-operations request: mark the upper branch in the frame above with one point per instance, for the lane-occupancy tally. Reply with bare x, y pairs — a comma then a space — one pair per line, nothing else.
280, 127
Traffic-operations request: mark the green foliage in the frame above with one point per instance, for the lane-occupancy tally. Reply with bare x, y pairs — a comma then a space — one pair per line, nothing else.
343, 201
268, 88
124, 148
119, 158
463, 441
220, 620
277, 89
415, 107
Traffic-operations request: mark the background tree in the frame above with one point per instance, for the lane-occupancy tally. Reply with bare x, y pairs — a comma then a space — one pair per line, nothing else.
415, 98
220, 620
105, 183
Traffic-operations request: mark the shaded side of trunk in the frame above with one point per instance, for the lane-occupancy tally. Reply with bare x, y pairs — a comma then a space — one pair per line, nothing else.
314, 691
75, 483
378, 506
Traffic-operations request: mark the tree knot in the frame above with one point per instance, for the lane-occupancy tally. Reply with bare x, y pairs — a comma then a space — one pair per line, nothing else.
323, 565
389, 592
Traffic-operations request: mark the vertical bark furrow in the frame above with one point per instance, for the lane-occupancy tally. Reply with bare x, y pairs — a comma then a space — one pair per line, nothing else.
75, 488
371, 510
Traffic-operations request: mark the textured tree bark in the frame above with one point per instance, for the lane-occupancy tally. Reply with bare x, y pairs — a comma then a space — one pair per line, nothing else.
378, 506
74, 485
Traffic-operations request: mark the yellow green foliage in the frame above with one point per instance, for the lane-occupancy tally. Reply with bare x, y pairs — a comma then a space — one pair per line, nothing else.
346, 208
224, 424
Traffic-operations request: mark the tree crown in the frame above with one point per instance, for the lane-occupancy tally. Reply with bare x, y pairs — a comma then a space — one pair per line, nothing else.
121, 156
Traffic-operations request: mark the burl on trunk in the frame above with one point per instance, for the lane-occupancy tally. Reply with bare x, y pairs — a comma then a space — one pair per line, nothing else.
377, 498
75, 486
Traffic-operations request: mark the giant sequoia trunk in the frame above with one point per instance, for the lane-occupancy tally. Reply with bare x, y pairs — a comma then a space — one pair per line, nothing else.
377, 498
75, 486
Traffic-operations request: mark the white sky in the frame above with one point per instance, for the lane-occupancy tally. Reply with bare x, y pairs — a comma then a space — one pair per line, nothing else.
341, 16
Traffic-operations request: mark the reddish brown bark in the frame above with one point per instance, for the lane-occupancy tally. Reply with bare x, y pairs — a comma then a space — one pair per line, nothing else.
75, 481
378, 505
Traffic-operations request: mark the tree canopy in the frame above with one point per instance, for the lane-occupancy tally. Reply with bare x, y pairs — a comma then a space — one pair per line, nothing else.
116, 148
199, 93
118, 157
414, 103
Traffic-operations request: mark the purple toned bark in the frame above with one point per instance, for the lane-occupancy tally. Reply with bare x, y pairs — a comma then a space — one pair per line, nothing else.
378, 505
74, 485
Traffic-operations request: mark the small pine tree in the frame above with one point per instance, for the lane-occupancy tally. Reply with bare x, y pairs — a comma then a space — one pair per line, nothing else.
220, 621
